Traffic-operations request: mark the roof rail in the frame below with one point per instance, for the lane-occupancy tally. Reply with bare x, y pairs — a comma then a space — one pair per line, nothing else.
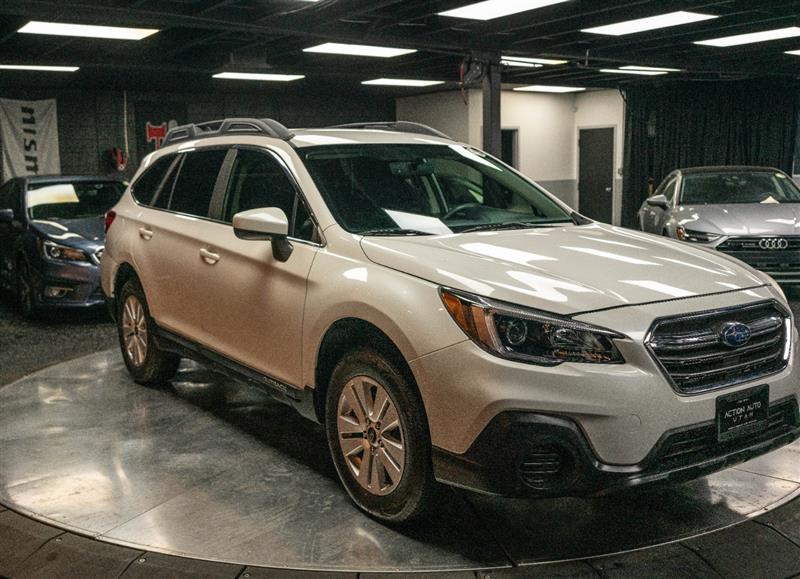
266, 127
399, 126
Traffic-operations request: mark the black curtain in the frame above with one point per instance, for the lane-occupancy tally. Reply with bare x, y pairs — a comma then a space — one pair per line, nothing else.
690, 124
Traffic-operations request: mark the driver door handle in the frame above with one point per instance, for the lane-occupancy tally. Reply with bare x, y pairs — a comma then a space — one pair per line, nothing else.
209, 257
145, 233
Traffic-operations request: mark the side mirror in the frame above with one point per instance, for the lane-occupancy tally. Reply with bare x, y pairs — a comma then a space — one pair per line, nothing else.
6, 215
270, 224
658, 201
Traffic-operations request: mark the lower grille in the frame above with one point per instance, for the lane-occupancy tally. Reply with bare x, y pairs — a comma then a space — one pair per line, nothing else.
691, 350
697, 444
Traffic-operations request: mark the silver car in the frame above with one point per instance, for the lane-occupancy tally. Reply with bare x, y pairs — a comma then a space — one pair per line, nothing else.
751, 213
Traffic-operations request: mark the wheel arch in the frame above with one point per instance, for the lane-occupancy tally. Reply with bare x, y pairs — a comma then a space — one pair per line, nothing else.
124, 272
343, 336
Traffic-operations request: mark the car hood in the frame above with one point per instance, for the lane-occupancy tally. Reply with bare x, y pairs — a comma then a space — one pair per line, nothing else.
85, 233
742, 218
566, 269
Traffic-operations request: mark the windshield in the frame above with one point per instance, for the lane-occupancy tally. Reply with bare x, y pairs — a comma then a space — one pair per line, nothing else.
738, 187
414, 189
72, 200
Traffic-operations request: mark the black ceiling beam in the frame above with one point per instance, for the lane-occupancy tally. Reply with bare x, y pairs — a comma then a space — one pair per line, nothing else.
91, 13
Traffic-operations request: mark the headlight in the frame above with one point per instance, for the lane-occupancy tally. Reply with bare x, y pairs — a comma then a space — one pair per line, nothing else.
695, 236
53, 250
530, 335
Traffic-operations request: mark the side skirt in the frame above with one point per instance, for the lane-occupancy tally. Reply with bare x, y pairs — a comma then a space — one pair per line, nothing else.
300, 400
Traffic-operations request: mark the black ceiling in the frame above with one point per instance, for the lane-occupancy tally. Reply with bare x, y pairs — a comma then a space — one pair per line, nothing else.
202, 37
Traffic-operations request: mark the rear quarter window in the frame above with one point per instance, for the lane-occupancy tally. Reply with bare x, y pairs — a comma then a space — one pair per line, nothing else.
145, 187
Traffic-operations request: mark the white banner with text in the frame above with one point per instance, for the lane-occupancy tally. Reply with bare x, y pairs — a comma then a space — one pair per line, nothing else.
29, 138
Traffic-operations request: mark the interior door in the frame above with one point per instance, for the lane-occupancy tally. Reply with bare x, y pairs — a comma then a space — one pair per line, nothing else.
596, 174
254, 302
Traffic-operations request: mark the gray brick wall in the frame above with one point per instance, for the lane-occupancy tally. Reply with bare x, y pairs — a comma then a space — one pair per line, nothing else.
91, 122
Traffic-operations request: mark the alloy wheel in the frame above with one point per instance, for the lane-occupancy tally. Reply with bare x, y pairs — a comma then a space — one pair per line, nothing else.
371, 435
134, 331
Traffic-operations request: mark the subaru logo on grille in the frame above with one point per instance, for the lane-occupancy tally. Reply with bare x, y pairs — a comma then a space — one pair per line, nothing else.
735, 334
773, 243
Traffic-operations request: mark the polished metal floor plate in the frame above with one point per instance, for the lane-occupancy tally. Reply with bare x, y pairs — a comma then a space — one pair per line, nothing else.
213, 469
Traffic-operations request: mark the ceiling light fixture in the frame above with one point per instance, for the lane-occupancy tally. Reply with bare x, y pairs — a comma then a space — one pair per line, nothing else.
86, 30
650, 68
549, 88
39, 68
520, 63
402, 82
650, 23
633, 71
359, 50
751, 37
548, 61
259, 76
794, 52
491, 9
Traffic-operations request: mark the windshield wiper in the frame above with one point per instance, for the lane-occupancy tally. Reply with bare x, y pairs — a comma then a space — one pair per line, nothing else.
394, 231
513, 225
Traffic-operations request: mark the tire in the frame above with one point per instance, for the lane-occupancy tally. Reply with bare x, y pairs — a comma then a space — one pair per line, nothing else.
396, 437
146, 363
26, 301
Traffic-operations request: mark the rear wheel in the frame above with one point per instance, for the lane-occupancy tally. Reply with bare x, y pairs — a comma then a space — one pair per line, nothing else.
147, 364
378, 438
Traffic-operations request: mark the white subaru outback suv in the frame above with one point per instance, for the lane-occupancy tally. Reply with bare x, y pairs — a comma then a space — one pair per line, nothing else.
444, 317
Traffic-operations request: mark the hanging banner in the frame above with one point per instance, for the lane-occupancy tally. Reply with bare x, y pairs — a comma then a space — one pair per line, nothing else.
29, 138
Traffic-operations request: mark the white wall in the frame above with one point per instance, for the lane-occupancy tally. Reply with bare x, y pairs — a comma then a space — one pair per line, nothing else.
445, 111
547, 127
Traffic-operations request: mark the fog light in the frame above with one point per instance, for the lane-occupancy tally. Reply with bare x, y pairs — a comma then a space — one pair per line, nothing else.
56, 292
549, 467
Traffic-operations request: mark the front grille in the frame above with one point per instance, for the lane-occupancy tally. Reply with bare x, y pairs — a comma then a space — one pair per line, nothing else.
691, 351
698, 444
733, 244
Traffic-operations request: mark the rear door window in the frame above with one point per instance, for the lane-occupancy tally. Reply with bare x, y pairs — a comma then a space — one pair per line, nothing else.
195, 182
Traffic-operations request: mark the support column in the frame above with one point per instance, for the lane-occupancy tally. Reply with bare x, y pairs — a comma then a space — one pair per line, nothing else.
492, 142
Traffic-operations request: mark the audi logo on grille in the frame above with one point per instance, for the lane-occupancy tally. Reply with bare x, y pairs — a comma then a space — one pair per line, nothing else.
773, 243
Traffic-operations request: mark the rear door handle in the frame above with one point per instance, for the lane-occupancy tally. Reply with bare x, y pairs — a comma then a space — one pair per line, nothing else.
145, 233
209, 257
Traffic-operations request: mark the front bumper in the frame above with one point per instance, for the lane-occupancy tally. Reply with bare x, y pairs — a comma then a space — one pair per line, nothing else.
82, 280
538, 455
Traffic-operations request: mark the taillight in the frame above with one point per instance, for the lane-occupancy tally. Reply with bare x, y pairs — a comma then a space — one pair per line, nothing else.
110, 216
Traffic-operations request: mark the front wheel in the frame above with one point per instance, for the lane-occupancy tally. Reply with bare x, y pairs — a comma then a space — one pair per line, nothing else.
149, 365
378, 438
26, 299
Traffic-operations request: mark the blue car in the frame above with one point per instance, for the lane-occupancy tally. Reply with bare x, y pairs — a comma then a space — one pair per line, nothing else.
52, 238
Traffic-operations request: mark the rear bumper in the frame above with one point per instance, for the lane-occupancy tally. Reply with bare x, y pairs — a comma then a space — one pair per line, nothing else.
534, 455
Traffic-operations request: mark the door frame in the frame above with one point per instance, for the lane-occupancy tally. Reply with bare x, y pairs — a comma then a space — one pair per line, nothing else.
515, 160
616, 194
